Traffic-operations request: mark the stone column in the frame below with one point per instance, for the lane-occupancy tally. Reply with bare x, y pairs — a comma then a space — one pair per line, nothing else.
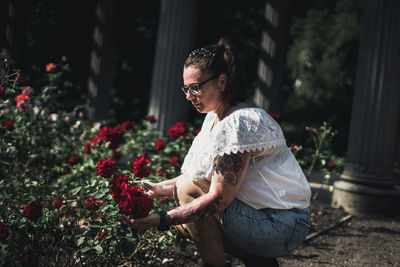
175, 39
15, 30
368, 183
271, 64
101, 61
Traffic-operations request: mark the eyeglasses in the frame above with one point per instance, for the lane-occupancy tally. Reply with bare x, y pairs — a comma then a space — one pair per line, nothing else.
194, 88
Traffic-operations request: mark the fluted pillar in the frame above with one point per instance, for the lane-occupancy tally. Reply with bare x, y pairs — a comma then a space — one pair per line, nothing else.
101, 61
368, 183
175, 39
271, 64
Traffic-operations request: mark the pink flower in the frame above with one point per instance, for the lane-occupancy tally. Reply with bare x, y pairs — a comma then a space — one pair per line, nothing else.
27, 91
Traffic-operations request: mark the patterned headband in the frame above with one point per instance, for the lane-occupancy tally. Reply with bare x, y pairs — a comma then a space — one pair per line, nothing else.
202, 52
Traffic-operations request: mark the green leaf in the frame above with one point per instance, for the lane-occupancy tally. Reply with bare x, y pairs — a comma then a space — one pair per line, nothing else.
76, 190
80, 241
98, 249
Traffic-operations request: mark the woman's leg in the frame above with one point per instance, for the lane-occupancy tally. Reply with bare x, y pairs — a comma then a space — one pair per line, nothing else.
205, 233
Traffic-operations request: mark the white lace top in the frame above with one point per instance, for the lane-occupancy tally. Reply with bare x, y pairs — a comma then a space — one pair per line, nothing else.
274, 179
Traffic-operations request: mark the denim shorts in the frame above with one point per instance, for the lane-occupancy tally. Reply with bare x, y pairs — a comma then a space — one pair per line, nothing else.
265, 232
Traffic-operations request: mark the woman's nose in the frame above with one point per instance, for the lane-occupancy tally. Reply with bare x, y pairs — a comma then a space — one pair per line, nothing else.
189, 96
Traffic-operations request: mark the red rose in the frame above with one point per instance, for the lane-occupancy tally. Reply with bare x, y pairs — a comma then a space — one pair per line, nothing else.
116, 155
96, 140
92, 203
173, 161
331, 165
74, 160
33, 211
276, 117
9, 125
119, 184
87, 149
106, 168
2, 91
3, 231
29, 259
127, 125
112, 135
103, 233
177, 130
139, 168
164, 200
160, 144
197, 131
151, 118
21, 100
135, 203
57, 203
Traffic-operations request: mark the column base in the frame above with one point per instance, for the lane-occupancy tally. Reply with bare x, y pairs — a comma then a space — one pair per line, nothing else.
362, 199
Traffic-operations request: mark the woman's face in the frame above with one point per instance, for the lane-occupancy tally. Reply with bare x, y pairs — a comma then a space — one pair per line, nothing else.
210, 92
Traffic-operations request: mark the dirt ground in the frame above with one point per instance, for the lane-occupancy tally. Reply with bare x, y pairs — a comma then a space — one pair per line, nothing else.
359, 241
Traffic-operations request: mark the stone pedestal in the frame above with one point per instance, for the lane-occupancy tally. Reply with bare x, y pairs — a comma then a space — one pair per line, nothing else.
368, 183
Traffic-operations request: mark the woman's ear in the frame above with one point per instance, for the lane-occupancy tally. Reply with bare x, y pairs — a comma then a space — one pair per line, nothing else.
222, 81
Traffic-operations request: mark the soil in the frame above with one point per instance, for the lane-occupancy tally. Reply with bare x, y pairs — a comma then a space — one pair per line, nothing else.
358, 241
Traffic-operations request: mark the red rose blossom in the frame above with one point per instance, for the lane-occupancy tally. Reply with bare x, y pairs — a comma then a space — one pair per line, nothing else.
331, 165
96, 140
57, 203
135, 203
3, 231
87, 149
276, 117
160, 144
151, 118
21, 102
164, 200
112, 135
29, 259
2, 91
139, 168
92, 203
74, 160
177, 130
103, 233
9, 125
119, 184
197, 131
127, 125
173, 161
106, 168
33, 211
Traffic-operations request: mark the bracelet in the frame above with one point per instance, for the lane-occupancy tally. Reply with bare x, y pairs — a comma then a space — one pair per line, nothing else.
163, 221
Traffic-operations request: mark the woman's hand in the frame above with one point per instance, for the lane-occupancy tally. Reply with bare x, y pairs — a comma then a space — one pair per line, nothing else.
144, 223
153, 190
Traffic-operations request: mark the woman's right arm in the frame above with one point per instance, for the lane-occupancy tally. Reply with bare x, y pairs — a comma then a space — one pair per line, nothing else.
161, 189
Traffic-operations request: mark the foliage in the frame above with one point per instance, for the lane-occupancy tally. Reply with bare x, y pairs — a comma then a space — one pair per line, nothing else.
50, 157
322, 62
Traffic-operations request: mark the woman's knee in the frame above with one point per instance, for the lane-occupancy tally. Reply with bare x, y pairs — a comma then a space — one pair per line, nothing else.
186, 191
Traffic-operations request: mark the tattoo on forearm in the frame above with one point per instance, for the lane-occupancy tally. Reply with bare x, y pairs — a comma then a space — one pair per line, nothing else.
229, 166
201, 207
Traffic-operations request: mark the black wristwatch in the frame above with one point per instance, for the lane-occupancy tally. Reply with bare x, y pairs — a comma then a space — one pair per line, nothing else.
163, 221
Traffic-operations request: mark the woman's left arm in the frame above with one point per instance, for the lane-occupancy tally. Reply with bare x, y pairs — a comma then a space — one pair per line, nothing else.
229, 172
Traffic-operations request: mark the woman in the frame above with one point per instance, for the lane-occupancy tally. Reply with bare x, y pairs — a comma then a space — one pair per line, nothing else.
241, 190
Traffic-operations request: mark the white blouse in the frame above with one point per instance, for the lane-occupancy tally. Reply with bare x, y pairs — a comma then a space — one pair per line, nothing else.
274, 179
